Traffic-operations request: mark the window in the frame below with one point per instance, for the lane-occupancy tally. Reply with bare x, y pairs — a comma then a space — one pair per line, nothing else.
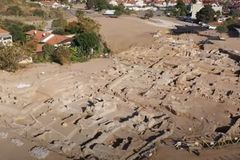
7, 38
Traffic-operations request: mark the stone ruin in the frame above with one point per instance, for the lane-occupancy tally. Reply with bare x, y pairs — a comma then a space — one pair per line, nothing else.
170, 91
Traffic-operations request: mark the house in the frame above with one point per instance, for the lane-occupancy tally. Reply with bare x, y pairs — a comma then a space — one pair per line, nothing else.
53, 4
5, 37
42, 38
195, 8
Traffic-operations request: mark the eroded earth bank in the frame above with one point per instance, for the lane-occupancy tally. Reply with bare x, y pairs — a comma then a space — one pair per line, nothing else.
153, 102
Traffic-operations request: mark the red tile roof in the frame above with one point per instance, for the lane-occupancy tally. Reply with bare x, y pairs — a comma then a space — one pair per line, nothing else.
48, 38
57, 39
2, 31
43, 38
38, 35
39, 48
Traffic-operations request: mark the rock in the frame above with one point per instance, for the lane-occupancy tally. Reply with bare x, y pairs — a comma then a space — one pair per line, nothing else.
68, 148
3, 135
39, 152
23, 85
17, 142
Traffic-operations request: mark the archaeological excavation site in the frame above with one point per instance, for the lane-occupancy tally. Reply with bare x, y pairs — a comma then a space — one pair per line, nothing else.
171, 100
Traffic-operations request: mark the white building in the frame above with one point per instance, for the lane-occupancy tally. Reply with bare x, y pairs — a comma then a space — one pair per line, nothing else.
113, 3
5, 37
195, 8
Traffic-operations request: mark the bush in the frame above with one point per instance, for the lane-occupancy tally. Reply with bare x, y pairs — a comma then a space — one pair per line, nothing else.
119, 10
74, 28
61, 55
46, 55
59, 30
59, 23
28, 27
17, 33
88, 42
10, 56
14, 10
148, 14
88, 25
206, 14
48, 51
39, 13
101, 4
17, 29
222, 29
181, 8
235, 12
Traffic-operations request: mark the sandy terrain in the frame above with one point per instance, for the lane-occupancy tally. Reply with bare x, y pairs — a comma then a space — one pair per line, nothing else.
124, 32
145, 102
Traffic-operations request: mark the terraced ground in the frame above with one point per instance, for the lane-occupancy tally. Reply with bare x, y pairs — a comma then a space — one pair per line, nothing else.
140, 104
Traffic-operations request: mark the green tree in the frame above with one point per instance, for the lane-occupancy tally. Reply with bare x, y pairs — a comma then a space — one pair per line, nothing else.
17, 32
206, 14
74, 28
119, 10
59, 30
88, 25
101, 4
59, 23
28, 27
61, 55
48, 51
222, 29
10, 56
88, 42
98, 4
90, 4
181, 8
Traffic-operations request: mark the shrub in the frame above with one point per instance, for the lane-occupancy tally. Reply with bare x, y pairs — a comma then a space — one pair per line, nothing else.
88, 42
17, 33
101, 4
17, 29
148, 14
222, 29
119, 10
59, 23
48, 51
88, 25
74, 28
10, 56
14, 10
206, 14
39, 13
181, 9
77, 55
28, 27
59, 30
61, 55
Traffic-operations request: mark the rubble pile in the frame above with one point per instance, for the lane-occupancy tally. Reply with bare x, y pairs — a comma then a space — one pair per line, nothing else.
172, 90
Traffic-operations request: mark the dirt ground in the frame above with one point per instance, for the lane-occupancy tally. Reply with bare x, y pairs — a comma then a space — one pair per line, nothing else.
124, 32
128, 31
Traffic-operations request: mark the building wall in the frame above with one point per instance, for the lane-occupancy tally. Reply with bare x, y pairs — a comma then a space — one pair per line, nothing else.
6, 39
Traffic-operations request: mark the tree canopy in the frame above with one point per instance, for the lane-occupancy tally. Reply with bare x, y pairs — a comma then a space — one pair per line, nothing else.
206, 14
